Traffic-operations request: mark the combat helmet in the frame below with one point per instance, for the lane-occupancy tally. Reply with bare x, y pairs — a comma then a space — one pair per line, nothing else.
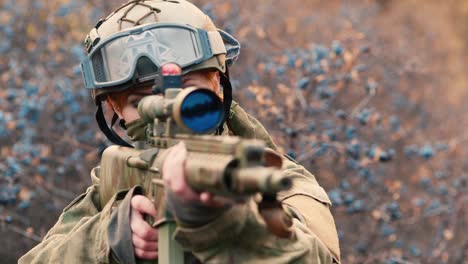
154, 31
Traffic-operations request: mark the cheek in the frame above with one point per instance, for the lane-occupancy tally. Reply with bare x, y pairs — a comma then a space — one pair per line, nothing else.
129, 113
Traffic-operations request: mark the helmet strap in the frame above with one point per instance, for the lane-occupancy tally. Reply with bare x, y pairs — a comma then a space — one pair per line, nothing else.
122, 123
111, 135
227, 96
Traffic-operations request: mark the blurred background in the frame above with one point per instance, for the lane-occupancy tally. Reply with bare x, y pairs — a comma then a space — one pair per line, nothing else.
369, 95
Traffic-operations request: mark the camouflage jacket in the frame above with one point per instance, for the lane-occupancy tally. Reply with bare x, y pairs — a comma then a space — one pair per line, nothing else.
82, 233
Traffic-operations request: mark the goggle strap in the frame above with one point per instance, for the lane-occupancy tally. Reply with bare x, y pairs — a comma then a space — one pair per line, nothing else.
108, 131
216, 43
232, 46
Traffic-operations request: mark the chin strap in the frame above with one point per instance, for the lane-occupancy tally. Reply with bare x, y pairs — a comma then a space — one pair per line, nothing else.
108, 131
227, 97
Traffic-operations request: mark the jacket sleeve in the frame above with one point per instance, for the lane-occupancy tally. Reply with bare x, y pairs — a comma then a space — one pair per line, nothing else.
240, 234
86, 234
310, 204
70, 239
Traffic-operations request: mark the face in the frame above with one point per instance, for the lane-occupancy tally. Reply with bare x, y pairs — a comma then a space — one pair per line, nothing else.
128, 111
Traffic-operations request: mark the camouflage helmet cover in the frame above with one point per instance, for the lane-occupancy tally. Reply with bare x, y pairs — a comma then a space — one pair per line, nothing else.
140, 12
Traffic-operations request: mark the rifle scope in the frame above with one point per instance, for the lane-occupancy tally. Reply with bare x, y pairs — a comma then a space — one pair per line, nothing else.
197, 110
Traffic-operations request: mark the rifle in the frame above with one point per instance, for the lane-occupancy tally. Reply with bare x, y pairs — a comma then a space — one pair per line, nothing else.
227, 166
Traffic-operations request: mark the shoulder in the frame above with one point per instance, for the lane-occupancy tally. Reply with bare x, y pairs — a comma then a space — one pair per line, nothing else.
244, 125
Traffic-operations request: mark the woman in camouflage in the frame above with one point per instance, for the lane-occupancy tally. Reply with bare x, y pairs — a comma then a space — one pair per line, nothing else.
214, 230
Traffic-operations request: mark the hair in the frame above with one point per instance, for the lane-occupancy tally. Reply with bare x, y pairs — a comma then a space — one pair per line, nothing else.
119, 99
211, 75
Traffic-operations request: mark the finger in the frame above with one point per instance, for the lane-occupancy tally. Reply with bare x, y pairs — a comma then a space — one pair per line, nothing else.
142, 229
181, 149
176, 156
174, 173
173, 160
177, 153
179, 186
214, 201
205, 197
144, 244
187, 194
143, 205
146, 254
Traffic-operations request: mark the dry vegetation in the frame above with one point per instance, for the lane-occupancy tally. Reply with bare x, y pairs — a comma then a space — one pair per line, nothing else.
394, 162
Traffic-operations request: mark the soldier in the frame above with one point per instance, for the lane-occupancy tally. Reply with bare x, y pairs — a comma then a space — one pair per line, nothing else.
125, 51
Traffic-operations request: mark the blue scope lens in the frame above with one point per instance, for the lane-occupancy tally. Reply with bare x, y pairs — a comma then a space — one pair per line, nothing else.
202, 111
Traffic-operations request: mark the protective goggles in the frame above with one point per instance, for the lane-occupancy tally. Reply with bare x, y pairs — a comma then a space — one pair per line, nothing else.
113, 61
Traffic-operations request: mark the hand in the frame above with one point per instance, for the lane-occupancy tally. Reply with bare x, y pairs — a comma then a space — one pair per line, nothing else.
144, 237
174, 178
